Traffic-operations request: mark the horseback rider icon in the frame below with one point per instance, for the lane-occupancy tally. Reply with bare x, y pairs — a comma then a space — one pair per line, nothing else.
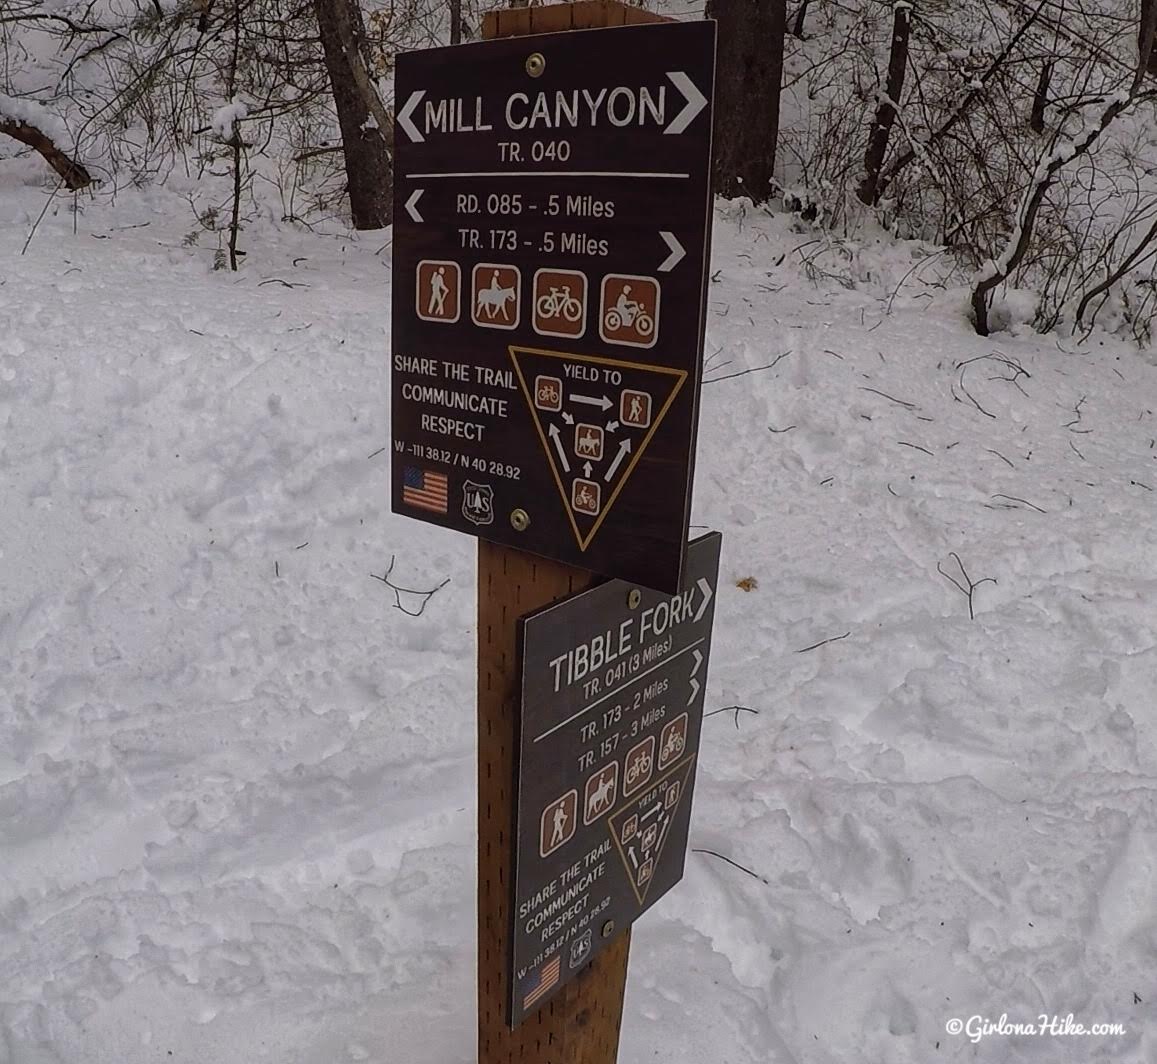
495, 302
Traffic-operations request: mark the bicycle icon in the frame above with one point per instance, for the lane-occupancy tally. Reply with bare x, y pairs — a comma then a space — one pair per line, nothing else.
560, 303
639, 762
548, 393
640, 768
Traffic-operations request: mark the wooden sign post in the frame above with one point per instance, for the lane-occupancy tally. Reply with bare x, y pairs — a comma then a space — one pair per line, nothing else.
581, 1024
552, 213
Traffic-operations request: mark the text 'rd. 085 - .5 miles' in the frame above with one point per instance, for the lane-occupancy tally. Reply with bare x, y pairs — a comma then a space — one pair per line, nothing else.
551, 231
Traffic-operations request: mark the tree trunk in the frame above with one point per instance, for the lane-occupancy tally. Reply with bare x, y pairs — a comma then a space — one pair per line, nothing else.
747, 94
72, 173
1040, 98
455, 21
869, 190
800, 18
961, 109
364, 123
1148, 56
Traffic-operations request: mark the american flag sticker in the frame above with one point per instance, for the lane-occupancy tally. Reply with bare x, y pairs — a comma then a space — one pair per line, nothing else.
548, 976
425, 490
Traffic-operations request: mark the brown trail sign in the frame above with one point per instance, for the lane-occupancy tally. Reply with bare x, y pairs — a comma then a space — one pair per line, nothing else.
612, 707
552, 202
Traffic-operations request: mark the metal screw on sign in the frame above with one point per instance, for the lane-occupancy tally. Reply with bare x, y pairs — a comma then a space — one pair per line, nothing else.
634, 597
536, 64
608, 928
520, 519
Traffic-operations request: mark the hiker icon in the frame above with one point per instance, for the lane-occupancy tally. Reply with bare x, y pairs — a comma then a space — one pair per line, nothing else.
438, 293
559, 820
635, 409
438, 289
495, 303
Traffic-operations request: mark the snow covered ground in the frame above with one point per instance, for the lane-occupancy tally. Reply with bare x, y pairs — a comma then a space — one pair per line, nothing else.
237, 783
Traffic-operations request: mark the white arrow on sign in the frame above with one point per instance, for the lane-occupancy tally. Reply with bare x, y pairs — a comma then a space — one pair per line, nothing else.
612, 426
696, 101
698, 661
602, 402
587, 470
567, 418
408, 108
677, 252
694, 690
708, 593
554, 435
624, 450
412, 205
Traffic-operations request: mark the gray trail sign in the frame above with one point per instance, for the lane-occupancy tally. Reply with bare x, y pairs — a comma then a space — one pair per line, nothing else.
612, 708
551, 236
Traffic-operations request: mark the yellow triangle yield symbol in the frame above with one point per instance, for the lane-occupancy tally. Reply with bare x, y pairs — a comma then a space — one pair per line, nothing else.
595, 417
641, 827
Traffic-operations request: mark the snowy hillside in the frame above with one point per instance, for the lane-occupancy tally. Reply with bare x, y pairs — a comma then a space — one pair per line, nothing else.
236, 782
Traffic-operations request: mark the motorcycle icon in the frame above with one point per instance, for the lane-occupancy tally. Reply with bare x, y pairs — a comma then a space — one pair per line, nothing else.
628, 313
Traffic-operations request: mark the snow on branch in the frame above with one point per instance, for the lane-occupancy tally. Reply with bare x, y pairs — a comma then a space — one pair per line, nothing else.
32, 124
30, 113
996, 269
1063, 151
225, 119
975, 92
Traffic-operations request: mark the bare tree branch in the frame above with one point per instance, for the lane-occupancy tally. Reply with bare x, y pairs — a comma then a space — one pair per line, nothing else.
72, 173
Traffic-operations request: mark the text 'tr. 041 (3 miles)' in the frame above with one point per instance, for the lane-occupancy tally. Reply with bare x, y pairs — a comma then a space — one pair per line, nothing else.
612, 707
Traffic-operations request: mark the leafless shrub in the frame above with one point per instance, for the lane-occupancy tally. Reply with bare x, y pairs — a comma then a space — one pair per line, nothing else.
138, 83
993, 92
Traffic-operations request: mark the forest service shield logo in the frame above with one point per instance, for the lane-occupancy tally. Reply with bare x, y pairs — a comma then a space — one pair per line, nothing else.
580, 948
478, 503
